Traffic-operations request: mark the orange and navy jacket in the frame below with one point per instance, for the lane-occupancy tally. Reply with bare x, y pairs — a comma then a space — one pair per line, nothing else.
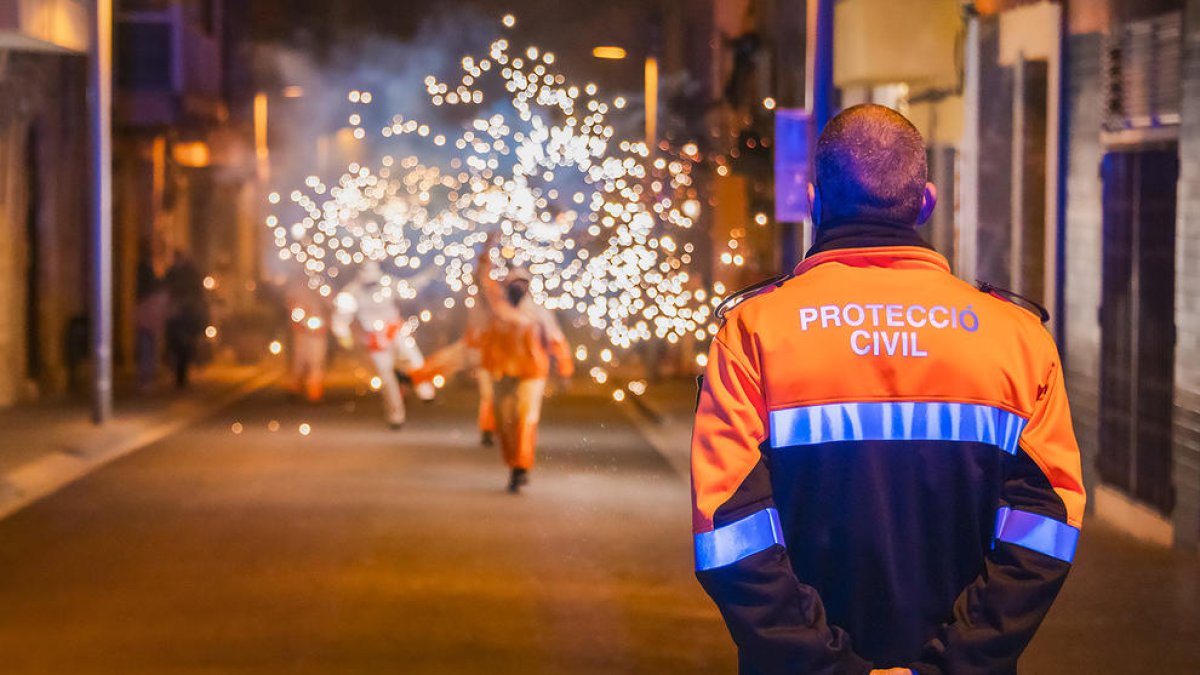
884, 472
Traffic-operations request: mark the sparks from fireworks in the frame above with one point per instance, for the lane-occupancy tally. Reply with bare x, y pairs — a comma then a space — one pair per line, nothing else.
605, 225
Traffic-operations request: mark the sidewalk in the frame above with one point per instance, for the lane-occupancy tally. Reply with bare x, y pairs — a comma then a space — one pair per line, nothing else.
45, 446
664, 417
1128, 606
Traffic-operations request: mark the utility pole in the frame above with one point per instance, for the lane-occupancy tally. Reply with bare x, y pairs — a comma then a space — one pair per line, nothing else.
100, 111
818, 84
791, 28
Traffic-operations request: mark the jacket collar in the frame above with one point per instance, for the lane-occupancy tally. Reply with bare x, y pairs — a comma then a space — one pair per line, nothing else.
864, 234
871, 245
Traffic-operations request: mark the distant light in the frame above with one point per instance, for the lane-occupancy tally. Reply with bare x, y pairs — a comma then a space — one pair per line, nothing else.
366, 97
305, 429
619, 395
293, 91
273, 425
769, 103
209, 283
426, 315
275, 347
355, 96
439, 381
760, 218
236, 427
509, 20
376, 383
691, 149
191, 154
722, 170
702, 360
210, 332
609, 52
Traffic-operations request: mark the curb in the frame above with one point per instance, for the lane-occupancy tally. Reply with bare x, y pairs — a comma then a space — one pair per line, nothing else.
656, 429
46, 475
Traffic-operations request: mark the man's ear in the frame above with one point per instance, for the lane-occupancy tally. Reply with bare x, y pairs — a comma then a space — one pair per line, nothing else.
928, 201
814, 203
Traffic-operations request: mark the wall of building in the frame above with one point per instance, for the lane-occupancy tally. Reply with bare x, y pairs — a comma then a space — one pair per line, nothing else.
1081, 350
43, 227
1084, 276
1187, 303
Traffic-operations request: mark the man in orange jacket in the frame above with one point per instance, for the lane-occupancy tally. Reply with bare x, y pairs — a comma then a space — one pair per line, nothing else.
516, 347
885, 476
517, 339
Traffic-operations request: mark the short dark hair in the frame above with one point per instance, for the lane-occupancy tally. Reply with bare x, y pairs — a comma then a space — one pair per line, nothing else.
870, 165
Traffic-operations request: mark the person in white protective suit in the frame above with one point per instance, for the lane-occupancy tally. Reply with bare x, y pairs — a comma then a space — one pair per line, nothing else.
370, 304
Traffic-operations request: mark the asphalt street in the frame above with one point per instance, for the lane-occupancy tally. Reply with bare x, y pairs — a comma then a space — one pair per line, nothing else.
355, 549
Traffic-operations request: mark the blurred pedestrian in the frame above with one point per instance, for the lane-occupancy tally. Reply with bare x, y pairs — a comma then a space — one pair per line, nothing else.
151, 319
884, 470
187, 315
370, 304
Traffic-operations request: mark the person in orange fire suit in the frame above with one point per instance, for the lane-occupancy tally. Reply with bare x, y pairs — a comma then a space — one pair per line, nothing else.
309, 314
466, 354
477, 321
517, 345
885, 475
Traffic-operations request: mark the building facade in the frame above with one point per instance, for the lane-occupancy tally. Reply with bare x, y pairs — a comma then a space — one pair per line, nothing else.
1132, 288
43, 214
184, 174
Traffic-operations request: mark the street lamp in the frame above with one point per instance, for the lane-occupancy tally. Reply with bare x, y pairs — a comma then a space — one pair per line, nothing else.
261, 151
651, 102
610, 52
615, 53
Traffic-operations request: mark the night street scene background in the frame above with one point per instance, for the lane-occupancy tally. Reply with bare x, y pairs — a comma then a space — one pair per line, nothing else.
241, 284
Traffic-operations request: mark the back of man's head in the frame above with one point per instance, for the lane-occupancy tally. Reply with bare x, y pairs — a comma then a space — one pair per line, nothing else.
870, 166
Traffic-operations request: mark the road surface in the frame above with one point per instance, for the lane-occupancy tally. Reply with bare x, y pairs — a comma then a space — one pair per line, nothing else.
355, 549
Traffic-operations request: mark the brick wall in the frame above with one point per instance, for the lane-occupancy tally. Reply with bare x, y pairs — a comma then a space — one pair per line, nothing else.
1083, 239
1187, 302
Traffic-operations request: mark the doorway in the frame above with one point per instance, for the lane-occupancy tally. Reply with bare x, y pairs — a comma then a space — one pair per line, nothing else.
1137, 320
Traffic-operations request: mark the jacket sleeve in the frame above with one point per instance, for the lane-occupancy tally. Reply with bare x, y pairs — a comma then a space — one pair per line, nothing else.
1037, 526
557, 345
777, 622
